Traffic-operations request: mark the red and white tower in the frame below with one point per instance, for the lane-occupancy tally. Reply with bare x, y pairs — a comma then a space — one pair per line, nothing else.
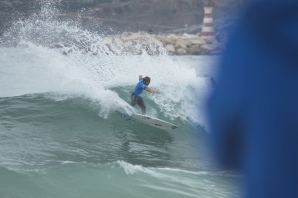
208, 27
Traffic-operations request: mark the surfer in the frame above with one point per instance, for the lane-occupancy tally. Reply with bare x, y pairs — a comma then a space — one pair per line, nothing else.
136, 94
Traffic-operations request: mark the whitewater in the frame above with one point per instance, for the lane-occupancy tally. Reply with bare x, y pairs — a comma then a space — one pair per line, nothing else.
60, 135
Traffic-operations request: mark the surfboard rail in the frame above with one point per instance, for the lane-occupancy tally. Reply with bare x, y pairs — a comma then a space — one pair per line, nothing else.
149, 121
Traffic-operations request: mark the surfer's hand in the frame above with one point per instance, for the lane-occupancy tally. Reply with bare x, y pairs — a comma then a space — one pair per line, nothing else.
153, 92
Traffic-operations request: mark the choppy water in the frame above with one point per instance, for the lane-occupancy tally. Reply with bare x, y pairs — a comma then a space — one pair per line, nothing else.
60, 136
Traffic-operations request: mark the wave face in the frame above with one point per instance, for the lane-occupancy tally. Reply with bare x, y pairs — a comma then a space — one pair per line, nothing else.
60, 135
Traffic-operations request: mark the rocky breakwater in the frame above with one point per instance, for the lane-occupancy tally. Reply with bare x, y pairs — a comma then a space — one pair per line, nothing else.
130, 43
189, 44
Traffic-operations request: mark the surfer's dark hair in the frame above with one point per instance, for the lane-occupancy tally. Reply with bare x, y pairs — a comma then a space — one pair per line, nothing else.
146, 79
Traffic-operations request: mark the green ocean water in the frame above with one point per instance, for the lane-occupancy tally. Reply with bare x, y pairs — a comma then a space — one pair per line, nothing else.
60, 136
63, 148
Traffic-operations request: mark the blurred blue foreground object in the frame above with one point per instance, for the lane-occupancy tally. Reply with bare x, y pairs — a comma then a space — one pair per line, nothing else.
253, 111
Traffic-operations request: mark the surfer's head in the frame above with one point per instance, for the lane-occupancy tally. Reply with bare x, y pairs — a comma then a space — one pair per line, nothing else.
146, 80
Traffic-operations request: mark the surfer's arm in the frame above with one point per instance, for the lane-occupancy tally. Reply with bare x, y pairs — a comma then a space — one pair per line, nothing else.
150, 90
140, 76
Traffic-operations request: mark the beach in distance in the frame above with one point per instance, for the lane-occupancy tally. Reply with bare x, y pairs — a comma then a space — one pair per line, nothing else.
172, 44
157, 27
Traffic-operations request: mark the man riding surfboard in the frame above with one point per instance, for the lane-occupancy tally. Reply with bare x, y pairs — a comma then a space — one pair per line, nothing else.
136, 97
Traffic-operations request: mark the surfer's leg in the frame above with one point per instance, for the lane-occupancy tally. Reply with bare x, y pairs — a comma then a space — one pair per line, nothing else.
133, 99
141, 104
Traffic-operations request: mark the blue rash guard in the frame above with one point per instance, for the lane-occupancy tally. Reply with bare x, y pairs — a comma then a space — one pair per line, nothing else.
139, 88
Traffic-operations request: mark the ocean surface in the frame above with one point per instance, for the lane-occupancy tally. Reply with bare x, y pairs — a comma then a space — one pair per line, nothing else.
60, 136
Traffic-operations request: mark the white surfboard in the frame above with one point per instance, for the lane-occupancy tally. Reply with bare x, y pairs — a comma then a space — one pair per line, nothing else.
150, 121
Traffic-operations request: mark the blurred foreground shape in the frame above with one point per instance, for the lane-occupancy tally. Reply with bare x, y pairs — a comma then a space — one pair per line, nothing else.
253, 110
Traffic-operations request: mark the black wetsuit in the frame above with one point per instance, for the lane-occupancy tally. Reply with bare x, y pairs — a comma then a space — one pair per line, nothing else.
138, 100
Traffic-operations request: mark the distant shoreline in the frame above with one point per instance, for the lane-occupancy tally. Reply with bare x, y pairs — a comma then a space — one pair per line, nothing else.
130, 43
